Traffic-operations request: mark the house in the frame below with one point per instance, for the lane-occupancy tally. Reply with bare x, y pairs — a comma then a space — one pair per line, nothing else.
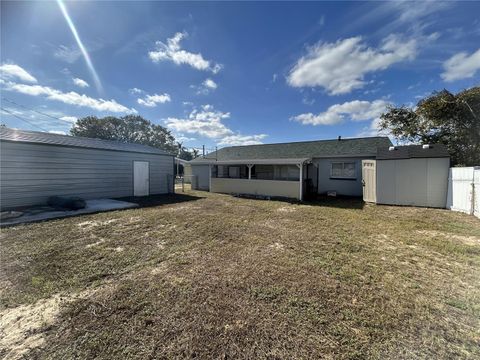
37, 165
290, 170
415, 175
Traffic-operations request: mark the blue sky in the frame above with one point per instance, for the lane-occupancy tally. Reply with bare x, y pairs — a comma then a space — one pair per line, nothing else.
224, 74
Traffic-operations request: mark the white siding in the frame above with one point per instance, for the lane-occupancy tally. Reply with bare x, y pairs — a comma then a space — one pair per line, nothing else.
30, 173
201, 172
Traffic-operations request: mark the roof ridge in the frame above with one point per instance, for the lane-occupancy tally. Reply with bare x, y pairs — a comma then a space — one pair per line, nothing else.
72, 136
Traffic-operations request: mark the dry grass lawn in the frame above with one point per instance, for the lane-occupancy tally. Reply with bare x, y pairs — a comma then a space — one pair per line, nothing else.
214, 276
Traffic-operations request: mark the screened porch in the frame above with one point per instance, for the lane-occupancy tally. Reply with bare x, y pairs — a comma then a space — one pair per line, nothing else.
272, 177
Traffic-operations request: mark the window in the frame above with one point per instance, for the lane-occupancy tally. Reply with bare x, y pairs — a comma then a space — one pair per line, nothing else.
234, 171
286, 172
343, 170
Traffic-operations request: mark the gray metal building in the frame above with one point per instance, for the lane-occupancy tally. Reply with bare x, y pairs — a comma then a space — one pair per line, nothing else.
36, 165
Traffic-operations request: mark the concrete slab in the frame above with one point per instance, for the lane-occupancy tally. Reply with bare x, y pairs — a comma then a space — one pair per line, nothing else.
48, 213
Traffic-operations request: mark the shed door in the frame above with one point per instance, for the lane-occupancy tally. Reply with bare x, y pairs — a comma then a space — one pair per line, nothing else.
369, 180
141, 178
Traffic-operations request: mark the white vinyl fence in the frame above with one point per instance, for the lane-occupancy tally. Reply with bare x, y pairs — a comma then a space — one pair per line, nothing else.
464, 190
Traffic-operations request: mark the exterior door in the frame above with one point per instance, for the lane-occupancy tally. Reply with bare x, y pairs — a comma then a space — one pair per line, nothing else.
141, 178
369, 180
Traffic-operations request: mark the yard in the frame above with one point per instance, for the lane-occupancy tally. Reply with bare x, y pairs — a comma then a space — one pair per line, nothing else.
214, 276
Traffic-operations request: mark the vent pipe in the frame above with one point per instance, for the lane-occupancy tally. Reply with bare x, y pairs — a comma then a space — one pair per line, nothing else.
426, 146
339, 138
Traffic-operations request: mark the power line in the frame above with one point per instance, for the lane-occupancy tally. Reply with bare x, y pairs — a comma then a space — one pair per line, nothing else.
20, 118
38, 112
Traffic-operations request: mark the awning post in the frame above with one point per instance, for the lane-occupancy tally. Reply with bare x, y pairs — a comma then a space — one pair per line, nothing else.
210, 177
300, 166
249, 171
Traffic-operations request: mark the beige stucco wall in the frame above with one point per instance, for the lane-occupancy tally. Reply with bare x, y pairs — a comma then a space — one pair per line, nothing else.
289, 189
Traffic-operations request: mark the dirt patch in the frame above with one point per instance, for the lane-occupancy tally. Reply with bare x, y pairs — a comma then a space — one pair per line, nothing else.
277, 246
101, 241
22, 327
286, 209
467, 240
88, 225
183, 208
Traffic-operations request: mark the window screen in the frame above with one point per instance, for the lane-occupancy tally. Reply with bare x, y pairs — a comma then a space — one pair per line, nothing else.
343, 170
234, 171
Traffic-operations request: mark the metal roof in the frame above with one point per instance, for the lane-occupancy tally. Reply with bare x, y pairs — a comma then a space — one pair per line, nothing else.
355, 147
7, 134
412, 151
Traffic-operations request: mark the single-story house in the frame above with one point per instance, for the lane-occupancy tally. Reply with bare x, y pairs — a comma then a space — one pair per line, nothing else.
290, 170
37, 165
415, 175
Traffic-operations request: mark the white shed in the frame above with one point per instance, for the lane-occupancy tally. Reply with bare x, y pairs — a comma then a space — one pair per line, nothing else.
415, 175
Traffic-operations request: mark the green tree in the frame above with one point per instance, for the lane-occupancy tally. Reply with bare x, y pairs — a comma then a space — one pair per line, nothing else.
443, 117
129, 128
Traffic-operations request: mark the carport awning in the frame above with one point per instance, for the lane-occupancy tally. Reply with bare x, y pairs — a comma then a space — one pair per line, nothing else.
258, 161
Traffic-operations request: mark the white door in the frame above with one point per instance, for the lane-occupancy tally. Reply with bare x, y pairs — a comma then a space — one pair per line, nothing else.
141, 178
369, 181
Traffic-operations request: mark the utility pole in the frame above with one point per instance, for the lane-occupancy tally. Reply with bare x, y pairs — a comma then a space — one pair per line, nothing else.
203, 150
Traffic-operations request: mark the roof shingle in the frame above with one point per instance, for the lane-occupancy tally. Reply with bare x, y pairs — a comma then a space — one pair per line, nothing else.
303, 149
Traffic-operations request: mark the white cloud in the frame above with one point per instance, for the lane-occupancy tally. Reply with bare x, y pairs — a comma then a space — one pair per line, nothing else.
71, 98
58, 132
209, 83
461, 66
135, 91
206, 87
153, 100
80, 83
237, 140
72, 119
172, 51
353, 110
208, 122
308, 101
341, 67
13, 71
67, 54
183, 139
409, 13
373, 129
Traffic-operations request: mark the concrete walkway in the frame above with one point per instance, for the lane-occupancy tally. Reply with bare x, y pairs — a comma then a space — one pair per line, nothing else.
48, 213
